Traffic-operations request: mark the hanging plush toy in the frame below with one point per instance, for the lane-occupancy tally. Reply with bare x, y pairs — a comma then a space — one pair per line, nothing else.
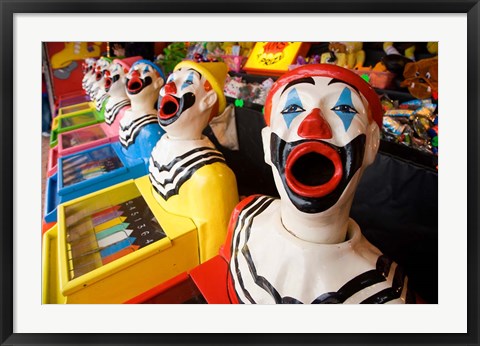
421, 78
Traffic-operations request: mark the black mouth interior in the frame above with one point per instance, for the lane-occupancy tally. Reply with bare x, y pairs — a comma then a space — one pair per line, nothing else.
135, 85
169, 108
313, 169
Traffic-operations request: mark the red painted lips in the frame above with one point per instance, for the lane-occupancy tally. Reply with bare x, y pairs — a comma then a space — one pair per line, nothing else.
313, 169
168, 107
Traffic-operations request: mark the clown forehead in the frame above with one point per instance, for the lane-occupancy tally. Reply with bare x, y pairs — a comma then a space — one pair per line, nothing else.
103, 64
340, 104
143, 69
320, 87
185, 72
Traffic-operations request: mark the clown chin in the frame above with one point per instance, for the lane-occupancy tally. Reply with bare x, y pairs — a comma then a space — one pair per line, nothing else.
314, 174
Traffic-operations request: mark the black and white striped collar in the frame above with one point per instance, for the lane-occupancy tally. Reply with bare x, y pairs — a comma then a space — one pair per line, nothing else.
168, 172
112, 109
130, 128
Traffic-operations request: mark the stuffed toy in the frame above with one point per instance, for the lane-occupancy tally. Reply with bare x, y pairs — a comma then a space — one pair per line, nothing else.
421, 78
345, 54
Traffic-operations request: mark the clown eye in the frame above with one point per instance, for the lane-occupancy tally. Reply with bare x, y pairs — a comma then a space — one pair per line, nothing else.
170, 78
292, 109
188, 81
186, 84
344, 109
417, 74
427, 75
146, 69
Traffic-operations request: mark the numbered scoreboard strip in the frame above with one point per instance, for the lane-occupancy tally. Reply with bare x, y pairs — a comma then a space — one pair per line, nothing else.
109, 234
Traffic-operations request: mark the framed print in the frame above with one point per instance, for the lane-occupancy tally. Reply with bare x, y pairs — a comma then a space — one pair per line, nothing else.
444, 265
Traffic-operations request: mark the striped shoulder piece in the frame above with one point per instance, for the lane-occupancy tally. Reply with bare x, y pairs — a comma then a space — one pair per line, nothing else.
99, 102
111, 112
128, 133
167, 179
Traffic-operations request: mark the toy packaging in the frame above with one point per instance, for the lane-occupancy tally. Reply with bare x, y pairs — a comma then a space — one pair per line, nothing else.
274, 58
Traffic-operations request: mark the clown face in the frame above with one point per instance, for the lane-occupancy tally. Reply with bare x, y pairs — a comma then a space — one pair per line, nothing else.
321, 136
186, 104
115, 80
142, 81
98, 75
88, 68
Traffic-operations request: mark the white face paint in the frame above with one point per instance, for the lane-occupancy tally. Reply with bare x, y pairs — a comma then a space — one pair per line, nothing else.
185, 104
98, 86
88, 68
115, 78
318, 142
143, 83
336, 112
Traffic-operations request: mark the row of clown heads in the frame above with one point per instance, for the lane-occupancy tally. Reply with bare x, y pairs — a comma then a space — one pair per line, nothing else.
322, 132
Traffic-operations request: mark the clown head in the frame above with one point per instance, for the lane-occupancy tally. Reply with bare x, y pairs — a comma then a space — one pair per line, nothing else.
322, 131
88, 67
98, 86
192, 96
115, 77
143, 82
89, 77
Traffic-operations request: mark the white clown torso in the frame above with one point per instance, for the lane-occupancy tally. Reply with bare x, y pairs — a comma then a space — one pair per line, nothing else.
269, 265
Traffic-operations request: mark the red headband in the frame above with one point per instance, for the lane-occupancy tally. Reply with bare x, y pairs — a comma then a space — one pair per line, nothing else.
332, 71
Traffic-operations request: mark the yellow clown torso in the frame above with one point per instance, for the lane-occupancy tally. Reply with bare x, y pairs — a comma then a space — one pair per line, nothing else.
190, 178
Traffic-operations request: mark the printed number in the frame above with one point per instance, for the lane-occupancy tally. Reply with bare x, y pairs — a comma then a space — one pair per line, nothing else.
129, 202
141, 226
149, 241
134, 213
143, 234
132, 208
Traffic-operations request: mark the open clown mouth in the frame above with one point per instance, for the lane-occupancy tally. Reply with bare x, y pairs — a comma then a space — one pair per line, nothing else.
313, 169
169, 107
136, 84
313, 173
108, 83
98, 76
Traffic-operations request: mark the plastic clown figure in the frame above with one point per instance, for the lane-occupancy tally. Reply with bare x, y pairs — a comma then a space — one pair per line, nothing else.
90, 77
322, 132
88, 68
188, 175
115, 86
97, 90
139, 130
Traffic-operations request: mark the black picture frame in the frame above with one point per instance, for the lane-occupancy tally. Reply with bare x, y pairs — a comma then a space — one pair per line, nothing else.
9, 8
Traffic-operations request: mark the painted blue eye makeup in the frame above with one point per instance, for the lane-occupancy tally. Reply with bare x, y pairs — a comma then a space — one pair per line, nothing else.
188, 81
170, 78
146, 69
344, 108
293, 107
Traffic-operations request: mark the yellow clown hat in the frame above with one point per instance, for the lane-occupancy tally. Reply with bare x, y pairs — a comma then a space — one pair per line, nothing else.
215, 73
